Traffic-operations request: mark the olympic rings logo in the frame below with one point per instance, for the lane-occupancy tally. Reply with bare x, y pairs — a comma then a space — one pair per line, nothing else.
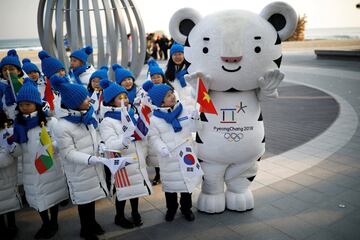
233, 137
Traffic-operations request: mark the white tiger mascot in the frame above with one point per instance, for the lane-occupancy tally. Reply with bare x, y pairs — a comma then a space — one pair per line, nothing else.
237, 54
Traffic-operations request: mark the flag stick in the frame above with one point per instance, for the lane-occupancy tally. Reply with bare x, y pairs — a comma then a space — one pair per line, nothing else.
11, 84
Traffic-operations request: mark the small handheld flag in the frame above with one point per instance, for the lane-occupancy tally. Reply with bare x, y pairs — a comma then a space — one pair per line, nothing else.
49, 95
204, 99
44, 155
15, 82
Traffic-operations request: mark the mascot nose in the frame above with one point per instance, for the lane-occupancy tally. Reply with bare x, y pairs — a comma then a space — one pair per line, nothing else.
231, 59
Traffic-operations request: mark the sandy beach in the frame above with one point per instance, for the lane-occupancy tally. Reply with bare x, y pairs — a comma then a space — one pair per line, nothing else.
293, 46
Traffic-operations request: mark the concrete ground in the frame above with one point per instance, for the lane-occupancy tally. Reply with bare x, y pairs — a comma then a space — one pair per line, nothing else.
308, 185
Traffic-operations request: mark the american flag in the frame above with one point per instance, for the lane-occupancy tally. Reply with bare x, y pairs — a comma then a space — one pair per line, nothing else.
122, 178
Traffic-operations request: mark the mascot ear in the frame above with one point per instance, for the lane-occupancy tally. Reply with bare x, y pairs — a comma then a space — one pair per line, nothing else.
282, 16
182, 22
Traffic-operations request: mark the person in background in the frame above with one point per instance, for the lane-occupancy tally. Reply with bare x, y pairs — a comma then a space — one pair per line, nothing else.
176, 69
80, 71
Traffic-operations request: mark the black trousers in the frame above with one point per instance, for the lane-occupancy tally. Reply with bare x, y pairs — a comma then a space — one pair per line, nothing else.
87, 214
10, 220
172, 204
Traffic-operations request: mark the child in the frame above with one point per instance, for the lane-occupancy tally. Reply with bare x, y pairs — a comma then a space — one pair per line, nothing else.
125, 78
170, 127
44, 188
175, 71
78, 144
12, 64
34, 73
9, 197
112, 132
95, 90
157, 77
80, 71
51, 66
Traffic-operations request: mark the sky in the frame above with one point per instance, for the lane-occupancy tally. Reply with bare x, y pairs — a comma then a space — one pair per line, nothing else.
18, 17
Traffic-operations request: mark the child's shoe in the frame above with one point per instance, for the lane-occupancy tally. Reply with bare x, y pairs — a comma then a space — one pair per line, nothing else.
189, 215
123, 222
137, 219
170, 215
45, 232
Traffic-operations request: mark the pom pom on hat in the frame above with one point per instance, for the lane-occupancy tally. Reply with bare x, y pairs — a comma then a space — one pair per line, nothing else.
29, 67
72, 95
11, 59
29, 93
156, 92
121, 73
110, 90
176, 48
82, 54
49, 64
154, 68
101, 73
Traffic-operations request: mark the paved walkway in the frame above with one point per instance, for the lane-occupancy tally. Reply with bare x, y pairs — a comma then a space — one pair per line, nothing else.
308, 186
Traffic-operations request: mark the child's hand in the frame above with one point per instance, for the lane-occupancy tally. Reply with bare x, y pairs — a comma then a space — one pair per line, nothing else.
164, 152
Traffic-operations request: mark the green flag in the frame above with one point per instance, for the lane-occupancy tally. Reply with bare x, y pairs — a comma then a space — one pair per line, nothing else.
15, 82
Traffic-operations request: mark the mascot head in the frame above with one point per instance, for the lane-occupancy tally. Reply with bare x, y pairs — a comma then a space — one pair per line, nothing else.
234, 47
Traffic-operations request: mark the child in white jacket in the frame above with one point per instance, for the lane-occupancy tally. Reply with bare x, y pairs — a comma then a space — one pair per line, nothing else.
9, 197
78, 144
80, 71
132, 181
170, 127
43, 177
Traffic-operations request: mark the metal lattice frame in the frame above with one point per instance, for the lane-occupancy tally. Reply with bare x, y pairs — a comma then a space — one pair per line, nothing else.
116, 18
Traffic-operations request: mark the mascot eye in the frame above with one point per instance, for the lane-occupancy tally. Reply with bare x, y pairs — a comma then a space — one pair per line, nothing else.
257, 49
205, 50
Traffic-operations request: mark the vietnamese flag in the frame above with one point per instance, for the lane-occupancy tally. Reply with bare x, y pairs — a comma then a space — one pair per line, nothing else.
204, 99
49, 95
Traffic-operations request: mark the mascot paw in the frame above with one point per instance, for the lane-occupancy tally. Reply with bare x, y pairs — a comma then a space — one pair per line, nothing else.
211, 203
240, 201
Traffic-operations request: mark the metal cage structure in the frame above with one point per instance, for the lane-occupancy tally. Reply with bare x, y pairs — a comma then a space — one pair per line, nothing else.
104, 24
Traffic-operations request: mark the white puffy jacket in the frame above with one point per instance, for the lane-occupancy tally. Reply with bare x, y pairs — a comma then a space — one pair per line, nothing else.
163, 135
77, 143
9, 197
44, 190
136, 182
85, 76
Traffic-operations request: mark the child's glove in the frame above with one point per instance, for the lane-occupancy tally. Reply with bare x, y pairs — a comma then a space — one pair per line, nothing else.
126, 141
93, 160
102, 147
164, 152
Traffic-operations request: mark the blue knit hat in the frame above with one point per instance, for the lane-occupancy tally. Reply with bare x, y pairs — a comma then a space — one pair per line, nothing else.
82, 54
154, 68
176, 48
110, 90
29, 93
156, 92
29, 67
72, 95
11, 59
49, 64
102, 73
121, 73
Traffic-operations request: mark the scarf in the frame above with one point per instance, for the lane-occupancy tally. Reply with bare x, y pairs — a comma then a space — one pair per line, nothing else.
171, 117
86, 118
180, 76
117, 115
132, 94
76, 72
20, 131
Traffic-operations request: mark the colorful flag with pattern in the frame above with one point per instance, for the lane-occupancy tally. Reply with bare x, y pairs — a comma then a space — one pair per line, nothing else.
44, 155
